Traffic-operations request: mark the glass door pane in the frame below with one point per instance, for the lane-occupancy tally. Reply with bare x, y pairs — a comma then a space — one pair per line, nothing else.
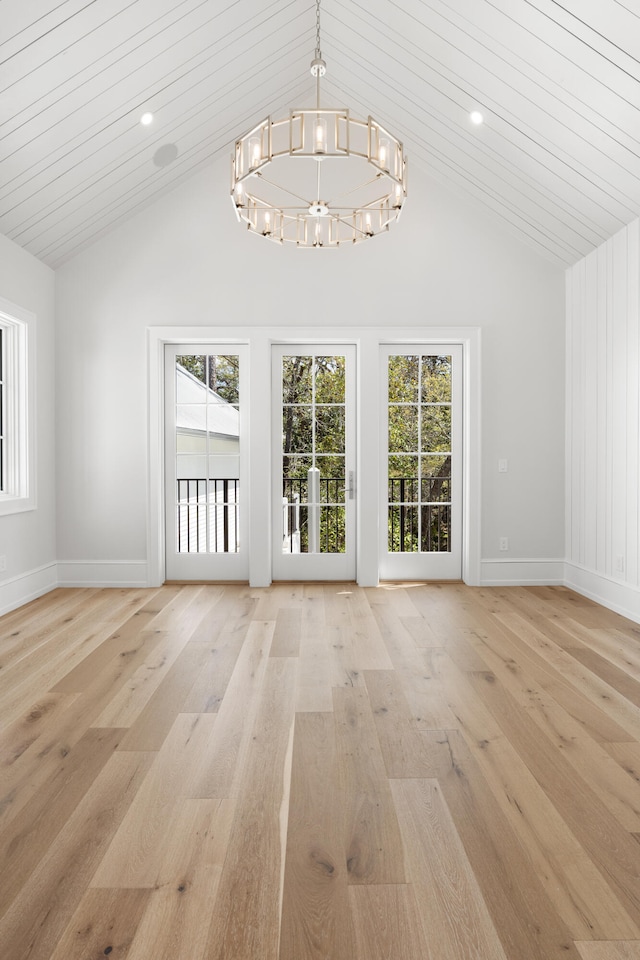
422, 501
314, 512
203, 452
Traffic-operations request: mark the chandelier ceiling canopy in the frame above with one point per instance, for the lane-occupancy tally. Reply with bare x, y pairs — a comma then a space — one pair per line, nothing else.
318, 177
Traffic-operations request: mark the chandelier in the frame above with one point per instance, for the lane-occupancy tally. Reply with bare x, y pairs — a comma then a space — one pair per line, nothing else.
318, 177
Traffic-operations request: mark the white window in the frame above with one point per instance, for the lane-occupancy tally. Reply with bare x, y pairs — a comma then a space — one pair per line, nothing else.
16, 435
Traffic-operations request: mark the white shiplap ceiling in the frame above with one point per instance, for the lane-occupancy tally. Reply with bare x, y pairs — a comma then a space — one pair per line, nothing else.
558, 81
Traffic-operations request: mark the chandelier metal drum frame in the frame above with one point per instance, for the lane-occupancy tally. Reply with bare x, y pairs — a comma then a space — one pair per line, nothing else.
319, 177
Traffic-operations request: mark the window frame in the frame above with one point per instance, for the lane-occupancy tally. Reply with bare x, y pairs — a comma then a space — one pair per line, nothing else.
17, 489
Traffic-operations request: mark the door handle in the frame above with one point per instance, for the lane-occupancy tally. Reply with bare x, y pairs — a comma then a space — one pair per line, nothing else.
352, 485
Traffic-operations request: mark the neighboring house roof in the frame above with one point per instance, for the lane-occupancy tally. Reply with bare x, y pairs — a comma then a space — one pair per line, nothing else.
195, 400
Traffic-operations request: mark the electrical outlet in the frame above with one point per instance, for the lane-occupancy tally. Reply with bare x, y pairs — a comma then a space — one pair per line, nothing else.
504, 543
3, 563
619, 564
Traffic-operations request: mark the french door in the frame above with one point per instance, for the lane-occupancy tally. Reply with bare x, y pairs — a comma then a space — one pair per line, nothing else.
421, 470
205, 462
302, 487
313, 460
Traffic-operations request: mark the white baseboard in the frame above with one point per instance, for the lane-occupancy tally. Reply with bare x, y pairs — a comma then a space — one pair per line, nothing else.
27, 586
620, 597
522, 572
102, 573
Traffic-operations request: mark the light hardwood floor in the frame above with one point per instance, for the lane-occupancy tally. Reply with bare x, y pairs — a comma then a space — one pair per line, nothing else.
319, 772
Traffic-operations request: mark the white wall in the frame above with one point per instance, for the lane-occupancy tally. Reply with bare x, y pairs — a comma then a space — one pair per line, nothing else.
603, 424
185, 261
28, 539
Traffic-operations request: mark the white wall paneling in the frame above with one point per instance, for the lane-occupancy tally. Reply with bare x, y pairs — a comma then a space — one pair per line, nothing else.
603, 422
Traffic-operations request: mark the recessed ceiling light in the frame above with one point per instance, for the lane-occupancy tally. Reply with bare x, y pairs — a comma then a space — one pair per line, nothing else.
476, 117
146, 119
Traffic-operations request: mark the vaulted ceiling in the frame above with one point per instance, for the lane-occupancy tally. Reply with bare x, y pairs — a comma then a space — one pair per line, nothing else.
557, 159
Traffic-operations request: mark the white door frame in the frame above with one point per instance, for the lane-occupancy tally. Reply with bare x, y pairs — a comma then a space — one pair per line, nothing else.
367, 340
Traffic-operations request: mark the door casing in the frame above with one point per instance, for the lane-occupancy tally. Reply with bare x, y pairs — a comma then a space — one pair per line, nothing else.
260, 341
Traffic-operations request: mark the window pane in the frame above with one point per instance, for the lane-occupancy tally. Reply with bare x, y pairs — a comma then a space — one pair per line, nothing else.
296, 379
403, 529
403, 379
330, 429
435, 523
436, 380
330, 374
297, 429
403, 466
296, 467
436, 429
403, 429
436, 479
332, 529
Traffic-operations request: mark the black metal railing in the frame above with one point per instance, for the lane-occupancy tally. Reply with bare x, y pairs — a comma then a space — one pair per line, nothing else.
419, 515
207, 515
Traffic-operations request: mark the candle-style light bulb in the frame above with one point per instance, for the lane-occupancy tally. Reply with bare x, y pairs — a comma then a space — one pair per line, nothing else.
267, 224
320, 136
255, 152
384, 154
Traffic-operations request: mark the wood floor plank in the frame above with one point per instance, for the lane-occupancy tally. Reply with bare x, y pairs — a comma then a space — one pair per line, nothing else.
373, 845
315, 674
123, 643
316, 920
613, 675
27, 837
394, 596
455, 919
405, 750
103, 925
587, 817
223, 651
581, 895
286, 634
504, 650
22, 646
28, 624
221, 763
368, 645
389, 924
616, 706
418, 677
139, 845
56, 887
609, 950
245, 922
420, 631
525, 918
176, 921
314, 681
149, 728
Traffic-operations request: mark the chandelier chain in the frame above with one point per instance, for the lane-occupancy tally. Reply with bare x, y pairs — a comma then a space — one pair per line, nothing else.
318, 54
